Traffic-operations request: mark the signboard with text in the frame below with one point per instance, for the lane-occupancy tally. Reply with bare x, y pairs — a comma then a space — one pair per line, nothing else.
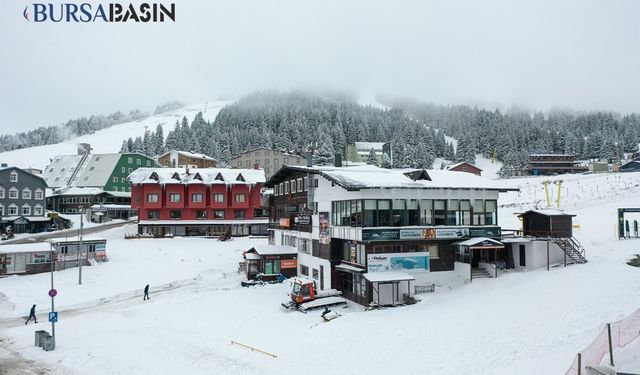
405, 262
445, 233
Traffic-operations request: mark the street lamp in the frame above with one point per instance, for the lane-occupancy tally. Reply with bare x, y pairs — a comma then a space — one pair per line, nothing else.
80, 245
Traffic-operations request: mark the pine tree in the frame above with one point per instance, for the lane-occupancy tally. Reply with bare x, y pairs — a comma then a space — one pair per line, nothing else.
325, 153
372, 158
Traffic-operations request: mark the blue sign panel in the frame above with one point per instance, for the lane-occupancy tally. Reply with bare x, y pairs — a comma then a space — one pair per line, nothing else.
53, 316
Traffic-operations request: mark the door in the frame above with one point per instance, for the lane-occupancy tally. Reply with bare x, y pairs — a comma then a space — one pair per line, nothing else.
523, 262
21, 263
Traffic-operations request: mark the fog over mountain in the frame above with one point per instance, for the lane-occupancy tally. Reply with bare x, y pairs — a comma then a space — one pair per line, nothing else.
536, 54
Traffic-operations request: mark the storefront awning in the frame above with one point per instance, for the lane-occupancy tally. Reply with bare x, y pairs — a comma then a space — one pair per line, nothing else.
348, 268
382, 277
481, 243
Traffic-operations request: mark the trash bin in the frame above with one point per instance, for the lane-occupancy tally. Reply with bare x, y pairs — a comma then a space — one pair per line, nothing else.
48, 343
40, 334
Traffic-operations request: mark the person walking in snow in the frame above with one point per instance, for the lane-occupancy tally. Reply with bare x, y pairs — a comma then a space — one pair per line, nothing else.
146, 293
635, 228
626, 228
32, 314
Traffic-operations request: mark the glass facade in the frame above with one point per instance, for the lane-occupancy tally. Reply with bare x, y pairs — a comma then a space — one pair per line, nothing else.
408, 212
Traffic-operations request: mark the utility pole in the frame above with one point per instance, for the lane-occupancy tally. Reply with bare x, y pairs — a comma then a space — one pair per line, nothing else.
80, 246
52, 294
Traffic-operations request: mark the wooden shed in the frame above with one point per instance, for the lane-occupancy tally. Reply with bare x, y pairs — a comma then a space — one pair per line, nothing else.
271, 261
547, 223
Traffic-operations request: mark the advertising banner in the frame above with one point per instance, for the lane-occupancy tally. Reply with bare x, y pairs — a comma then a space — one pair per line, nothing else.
325, 237
380, 234
452, 233
405, 262
485, 232
429, 233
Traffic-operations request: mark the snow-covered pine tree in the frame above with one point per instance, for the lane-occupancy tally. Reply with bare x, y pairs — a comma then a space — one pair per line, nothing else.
372, 159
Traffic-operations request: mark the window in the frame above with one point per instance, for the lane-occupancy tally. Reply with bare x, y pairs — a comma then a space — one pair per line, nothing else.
122, 169
92, 248
491, 212
130, 170
64, 249
266, 161
292, 189
218, 197
26, 193
1, 192
315, 274
315, 182
218, 214
293, 241
432, 248
304, 270
138, 162
247, 163
304, 246
276, 161
37, 194
305, 182
115, 180
152, 197
258, 161
201, 214
37, 210
1, 210
439, 211
239, 163
478, 212
175, 214
275, 190
241, 198
13, 177
196, 198
13, 193
13, 210
281, 188
286, 188
130, 160
239, 214
174, 197
299, 183
148, 163
257, 153
153, 214
266, 170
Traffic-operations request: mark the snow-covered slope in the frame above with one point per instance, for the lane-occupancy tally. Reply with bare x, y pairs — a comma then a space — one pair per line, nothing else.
108, 140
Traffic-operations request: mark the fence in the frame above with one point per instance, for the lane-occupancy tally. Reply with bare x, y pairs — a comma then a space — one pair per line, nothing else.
614, 335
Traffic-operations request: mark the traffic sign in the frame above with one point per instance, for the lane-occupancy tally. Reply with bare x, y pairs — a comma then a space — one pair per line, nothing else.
53, 316
53, 293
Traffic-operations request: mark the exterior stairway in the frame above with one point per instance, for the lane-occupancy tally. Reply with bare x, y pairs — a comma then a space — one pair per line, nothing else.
571, 247
480, 273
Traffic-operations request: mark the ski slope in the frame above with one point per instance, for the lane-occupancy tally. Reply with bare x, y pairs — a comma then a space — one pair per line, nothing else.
520, 323
108, 140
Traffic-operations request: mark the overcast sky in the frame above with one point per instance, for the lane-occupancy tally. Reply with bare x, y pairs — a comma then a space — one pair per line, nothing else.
540, 54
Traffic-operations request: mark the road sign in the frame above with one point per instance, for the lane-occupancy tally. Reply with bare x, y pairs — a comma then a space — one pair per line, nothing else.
53, 316
53, 293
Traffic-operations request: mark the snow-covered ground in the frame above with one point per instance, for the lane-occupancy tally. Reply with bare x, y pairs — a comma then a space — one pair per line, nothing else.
109, 140
521, 323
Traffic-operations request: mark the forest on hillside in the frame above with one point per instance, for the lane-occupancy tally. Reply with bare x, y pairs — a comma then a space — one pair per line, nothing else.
324, 123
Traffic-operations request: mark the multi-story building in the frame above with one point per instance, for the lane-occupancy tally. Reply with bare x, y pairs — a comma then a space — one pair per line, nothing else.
351, 223
180, 159
358, 152
549, 164
199, 202
82, 180
22, 201
269, 160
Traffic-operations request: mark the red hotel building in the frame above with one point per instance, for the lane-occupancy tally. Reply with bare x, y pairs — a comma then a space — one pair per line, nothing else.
198, 202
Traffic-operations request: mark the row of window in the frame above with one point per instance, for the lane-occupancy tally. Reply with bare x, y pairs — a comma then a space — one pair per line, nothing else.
76, 200
200, 214
304, 270
195, 197
298, 185
403, 212
26, 193
138, 162
25, 210
303, 245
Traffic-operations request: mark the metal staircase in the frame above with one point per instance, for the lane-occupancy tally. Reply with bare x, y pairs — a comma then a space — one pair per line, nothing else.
572, 248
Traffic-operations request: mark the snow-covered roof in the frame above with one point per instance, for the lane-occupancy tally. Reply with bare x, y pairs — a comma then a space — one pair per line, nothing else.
189, 154
25, 248
96, 170
75, 239
372, 177
348, 267
378, 277
90, 191
550, 212
197, 175
367, 146
274, 250
251, 256
59, 171
478, 240
461, 163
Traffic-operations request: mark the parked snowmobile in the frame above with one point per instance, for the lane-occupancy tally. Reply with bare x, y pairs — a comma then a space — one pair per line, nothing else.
305, 296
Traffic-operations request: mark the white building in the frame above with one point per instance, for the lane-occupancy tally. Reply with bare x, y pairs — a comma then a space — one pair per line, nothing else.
348, 224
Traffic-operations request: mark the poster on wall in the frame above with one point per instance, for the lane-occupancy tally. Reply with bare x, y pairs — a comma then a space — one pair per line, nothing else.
405, 262
325, 238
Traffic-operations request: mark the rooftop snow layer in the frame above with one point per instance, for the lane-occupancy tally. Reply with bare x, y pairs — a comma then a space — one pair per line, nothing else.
202, 176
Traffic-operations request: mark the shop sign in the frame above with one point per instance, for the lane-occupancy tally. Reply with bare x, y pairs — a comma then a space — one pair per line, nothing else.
288, 263
449, 233
303, 219
284, 222
380, 234
485, 232
416, 262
